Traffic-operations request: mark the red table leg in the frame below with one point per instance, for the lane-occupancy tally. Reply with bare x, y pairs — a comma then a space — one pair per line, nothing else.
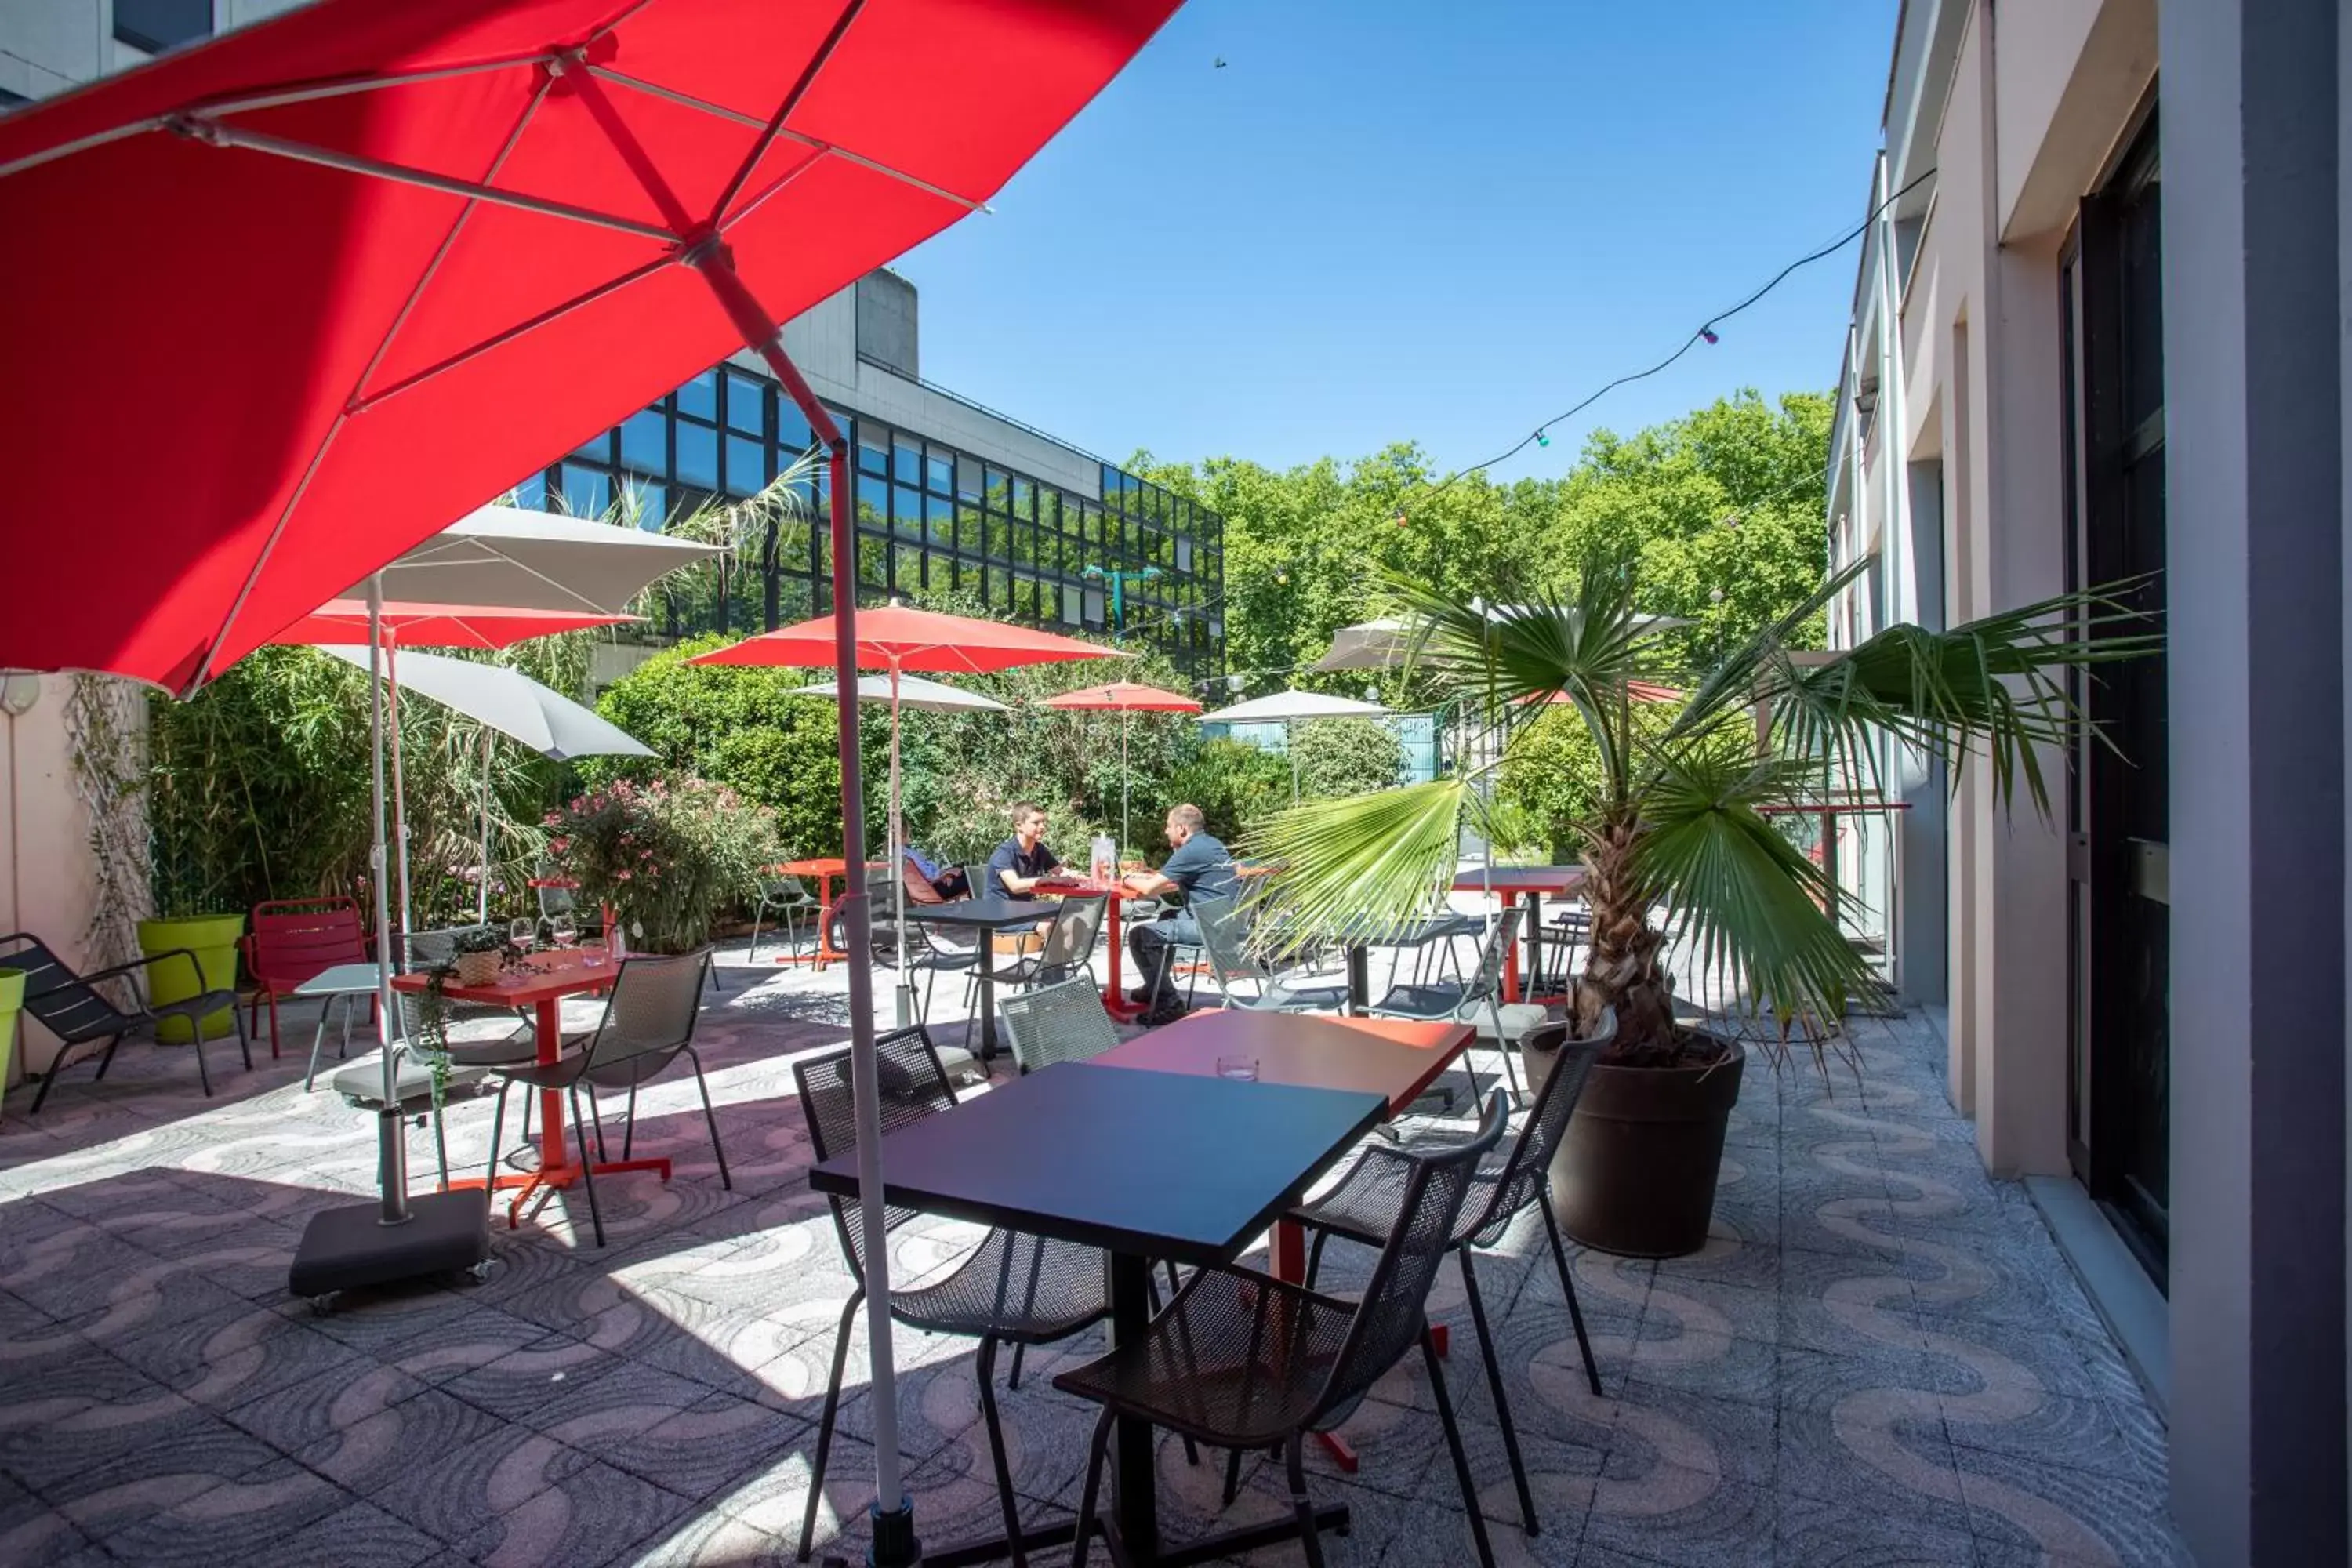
1115, 1000
1511, 956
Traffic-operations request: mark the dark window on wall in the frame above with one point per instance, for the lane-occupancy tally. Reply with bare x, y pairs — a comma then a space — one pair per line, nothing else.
747, 403
9, 100
697, 454
644, 441
587, 492
156, 25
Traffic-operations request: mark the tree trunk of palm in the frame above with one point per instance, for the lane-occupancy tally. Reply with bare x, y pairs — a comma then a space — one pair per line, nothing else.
1621, 967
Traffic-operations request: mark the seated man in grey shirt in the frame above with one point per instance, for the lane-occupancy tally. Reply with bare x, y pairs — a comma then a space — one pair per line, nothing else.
1200, 867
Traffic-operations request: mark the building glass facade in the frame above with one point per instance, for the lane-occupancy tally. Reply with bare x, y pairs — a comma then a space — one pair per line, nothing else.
931, 519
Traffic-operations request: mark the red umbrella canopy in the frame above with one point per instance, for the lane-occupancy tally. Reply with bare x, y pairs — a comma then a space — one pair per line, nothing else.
299, 297
438, 626
923, 641
1124, 697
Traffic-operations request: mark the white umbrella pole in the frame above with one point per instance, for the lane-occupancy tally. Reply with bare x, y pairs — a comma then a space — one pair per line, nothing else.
1122, 795
482, 904
905, 999
1290, 745
393, 1147
399, 789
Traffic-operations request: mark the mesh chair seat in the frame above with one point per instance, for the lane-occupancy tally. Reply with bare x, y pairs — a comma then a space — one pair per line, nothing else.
1423, 1001
1022, 1289
361, 1084
1239, 1359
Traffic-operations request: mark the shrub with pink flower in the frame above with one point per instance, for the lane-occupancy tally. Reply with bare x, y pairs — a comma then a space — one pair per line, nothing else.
667, 857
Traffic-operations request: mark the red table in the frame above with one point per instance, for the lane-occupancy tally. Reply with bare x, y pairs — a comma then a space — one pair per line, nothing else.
575, 971
1391, 1057
827, 872
1510, 883
1115, 1000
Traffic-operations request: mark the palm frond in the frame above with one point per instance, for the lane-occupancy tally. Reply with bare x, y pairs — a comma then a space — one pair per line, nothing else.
1995, 685
1747, 902
1357, 865
1732, 684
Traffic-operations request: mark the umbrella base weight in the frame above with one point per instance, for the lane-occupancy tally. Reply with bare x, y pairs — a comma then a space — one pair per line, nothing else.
350, 1248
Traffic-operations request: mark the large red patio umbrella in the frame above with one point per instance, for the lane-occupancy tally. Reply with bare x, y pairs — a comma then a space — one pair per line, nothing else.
341, 622
903, 640
1123, 698
350, 273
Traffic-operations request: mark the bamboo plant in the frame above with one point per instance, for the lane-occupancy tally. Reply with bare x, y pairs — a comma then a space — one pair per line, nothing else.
1682, 824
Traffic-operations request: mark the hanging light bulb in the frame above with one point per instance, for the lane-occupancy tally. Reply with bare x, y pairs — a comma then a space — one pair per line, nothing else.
1542, 439
1400, 517
1708, 334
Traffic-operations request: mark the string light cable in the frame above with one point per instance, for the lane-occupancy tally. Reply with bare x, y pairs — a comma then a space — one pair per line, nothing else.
1705, 334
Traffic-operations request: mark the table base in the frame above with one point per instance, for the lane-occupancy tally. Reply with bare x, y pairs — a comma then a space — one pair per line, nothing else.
544, 1183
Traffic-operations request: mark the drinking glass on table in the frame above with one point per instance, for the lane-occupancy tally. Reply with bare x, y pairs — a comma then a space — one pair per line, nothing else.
1241, 1070
522, 930
564, 929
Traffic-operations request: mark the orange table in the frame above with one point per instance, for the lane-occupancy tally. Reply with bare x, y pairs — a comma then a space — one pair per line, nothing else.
827, 872
574, 972
1391, 1057
1510, 883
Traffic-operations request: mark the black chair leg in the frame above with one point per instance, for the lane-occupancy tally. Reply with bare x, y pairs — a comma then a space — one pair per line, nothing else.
629, 1127
497, 1129
1233, 1477
204, 1073
1502, 1400
1012, 1375
596, 1115
824, 1424
245, 1040
1437, 1370
1094, 1452
1005, 1498
587, 1169
1315, 1256
1294, 1460
1568, 1288
106, 1057
710, 1117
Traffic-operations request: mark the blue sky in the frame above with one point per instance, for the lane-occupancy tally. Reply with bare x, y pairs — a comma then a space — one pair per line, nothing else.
1442, 222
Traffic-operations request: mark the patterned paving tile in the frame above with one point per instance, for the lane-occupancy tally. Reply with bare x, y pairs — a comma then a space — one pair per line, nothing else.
1879, 1358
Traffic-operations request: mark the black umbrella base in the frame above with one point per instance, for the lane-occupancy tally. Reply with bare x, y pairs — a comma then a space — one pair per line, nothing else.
351, 1249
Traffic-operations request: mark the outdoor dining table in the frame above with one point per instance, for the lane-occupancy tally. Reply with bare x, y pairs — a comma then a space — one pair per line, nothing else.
343, 981
825, 871
1396, 1059
1147, 1166
547, 979
989, 915
1510, 883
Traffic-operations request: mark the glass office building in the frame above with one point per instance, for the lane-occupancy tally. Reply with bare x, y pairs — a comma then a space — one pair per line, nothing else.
931, 518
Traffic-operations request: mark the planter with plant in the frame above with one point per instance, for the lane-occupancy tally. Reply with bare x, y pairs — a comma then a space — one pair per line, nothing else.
667, 858
1675, 824
477, 954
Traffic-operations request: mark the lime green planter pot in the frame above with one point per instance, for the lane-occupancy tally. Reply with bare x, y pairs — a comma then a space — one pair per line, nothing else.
12, 997
213, 939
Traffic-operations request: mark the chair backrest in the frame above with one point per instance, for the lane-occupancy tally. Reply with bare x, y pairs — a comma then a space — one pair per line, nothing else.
915, 1088
784, 889
1063, 1022
982, 884
294, 940
1389, 1316
554, 901
650, 1013
1487, 981
1528, 1165
66, 1005
1223, 938
1070, 939
428, 949
919, 886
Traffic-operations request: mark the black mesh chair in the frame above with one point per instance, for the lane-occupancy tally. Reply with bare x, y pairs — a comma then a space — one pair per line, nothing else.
1243, 1360
787, 902
71, 1007
1450, 1001
1066, 951
648, 1023
1363, 1208
1013, 1288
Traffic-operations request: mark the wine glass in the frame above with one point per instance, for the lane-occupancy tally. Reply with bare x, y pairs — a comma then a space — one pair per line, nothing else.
564, 929
522, 930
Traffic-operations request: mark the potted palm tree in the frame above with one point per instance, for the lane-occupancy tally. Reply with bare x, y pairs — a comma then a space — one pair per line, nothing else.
1680, 852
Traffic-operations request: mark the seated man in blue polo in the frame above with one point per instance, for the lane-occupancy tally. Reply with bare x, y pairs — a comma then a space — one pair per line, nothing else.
1021, 860
1198, 868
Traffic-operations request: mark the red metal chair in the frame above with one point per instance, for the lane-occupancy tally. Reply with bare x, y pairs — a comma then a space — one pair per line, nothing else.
294, 940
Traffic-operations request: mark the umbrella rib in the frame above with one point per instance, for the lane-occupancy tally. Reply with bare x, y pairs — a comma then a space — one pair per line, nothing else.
346, 85
816, 143
791, 100
351, 404
216, 133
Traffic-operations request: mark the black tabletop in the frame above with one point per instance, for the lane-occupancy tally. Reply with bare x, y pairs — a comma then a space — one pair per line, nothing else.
1162, 1164
985, 914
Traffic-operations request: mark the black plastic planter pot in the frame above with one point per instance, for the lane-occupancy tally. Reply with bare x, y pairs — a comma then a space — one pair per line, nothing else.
1634, 1175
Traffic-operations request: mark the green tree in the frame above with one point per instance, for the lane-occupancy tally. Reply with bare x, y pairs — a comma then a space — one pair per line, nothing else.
1346, 756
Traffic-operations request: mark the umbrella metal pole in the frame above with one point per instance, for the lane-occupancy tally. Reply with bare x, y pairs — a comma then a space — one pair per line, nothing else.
482, 904
399, 788
905, 990
894, 1542
1122, 796
392, 1144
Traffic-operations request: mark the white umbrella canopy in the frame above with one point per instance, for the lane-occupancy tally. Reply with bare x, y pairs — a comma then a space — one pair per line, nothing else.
537, 561
506, 702
1286, 708
1386, 643
914, 691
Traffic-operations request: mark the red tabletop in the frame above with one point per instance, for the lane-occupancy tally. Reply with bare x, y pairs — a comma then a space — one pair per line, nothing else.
1391, 1057
1513, 880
